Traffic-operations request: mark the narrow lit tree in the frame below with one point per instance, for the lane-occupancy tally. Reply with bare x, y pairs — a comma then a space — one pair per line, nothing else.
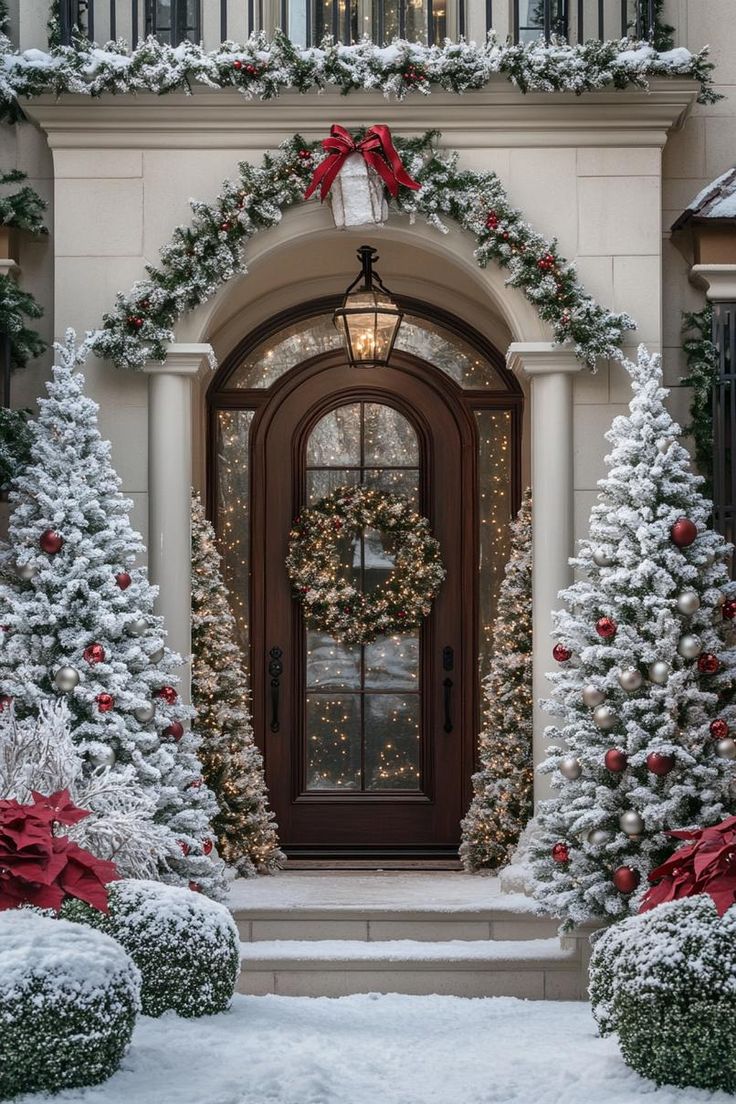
231, 762
78, 621
644, 690
502, 788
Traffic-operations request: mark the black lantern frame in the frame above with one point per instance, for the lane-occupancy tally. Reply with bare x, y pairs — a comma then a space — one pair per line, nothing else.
368, 319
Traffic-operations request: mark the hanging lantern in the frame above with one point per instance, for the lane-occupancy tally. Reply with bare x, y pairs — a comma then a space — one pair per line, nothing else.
368, 319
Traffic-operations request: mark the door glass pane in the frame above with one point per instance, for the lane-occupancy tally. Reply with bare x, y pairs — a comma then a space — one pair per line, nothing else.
392, 745
392, 661
232, 513
390, 441
333, 742
495, 511
335, 440
366, 737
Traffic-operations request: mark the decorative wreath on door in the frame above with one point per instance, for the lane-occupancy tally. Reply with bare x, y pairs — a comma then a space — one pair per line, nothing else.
333, 604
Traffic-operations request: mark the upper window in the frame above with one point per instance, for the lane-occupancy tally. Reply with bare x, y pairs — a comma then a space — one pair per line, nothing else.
174, 21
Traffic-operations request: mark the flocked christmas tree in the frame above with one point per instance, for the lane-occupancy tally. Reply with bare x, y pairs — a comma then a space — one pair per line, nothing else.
78, 621
231, 762
644, 690
502, 788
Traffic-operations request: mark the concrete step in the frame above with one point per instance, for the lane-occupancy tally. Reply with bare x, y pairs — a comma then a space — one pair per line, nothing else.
537, 969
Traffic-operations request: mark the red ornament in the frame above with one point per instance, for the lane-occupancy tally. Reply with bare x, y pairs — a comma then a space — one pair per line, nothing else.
252, 70
134, 321
606, 627
729, 609
305, 154
625, 879
5, 701
683, 532
207, 847
237, 64
196, 783
195, 887
175, 731
719, 729
616, 760
123, 580
185, 848
225, 226
94, 653
659, 763
168, 693
51, 542
560, 853
492, 221
708, 664
560, 653
105, 702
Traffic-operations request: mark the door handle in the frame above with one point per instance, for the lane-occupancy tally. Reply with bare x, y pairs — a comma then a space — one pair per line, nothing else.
447, 688
275, 670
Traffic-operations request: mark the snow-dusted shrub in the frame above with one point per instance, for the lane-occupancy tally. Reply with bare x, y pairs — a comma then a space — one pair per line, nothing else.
665, 983
68, 1002
184, 944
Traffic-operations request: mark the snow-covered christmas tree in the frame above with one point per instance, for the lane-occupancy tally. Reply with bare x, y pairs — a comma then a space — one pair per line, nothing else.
77, 621
231, 762
644, 689
502, 788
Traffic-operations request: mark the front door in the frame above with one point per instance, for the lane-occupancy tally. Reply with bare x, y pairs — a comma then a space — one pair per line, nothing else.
367, 749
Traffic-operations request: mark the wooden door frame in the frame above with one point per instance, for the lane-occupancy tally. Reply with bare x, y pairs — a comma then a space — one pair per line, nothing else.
462, 403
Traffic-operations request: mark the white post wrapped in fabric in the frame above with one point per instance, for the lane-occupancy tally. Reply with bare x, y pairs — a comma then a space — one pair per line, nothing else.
358, 195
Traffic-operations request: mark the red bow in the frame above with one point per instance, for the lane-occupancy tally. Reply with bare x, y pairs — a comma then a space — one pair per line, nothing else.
376, 147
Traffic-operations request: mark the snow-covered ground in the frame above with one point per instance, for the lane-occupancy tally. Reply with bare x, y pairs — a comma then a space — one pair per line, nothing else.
364, 1049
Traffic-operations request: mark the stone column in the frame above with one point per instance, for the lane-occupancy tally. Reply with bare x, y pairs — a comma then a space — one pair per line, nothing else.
550, 368
170, 489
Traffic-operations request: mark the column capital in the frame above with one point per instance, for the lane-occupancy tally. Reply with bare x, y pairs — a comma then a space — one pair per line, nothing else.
183, 359
8, 267
717, 280
541, 358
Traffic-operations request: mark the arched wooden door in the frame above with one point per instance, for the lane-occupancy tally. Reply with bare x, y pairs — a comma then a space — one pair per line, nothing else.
366, 747
368, 750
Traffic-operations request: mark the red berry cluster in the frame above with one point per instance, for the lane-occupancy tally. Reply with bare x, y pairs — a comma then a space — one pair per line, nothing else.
413, 75
492, 221
305, 155
135, 321
546, 263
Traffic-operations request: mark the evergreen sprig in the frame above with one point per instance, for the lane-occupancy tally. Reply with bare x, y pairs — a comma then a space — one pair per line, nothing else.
208, 252
22, 210
702, 362
16, 306
262, 69
15, 443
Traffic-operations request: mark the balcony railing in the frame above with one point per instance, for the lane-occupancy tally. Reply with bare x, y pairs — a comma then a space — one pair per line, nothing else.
308, 21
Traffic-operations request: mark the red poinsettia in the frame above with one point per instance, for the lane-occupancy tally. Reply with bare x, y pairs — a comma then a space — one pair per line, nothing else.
39, 868
707, 866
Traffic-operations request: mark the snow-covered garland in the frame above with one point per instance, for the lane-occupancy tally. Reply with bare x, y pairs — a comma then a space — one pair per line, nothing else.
331, 603
262, 69
202, 256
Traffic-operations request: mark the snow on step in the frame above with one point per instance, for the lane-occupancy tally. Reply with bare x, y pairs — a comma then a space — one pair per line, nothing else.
532, 968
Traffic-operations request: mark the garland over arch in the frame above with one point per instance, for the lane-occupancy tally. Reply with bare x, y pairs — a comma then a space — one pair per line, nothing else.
209, 252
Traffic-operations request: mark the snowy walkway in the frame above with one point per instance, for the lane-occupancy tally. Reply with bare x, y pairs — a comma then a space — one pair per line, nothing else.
390, 1049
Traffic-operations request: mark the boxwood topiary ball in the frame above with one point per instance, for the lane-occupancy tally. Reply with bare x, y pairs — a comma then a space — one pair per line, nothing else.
68, 1002
185, 945
665, 983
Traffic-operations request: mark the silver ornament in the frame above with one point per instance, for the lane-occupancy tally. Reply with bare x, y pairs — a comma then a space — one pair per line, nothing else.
726, 749
659, 672
157, 656
66, 678
605, 717
664, 443
26, 571
137, 627
145, 713
630, 679
690, 646
598, 836
688, 602
631, 823
104, 758
592, 696
570, 767
601, 558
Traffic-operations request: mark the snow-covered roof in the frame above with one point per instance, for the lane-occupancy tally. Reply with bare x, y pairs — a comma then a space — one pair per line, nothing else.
716, 201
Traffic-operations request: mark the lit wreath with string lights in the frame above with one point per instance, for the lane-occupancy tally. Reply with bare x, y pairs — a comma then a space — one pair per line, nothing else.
332, 604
